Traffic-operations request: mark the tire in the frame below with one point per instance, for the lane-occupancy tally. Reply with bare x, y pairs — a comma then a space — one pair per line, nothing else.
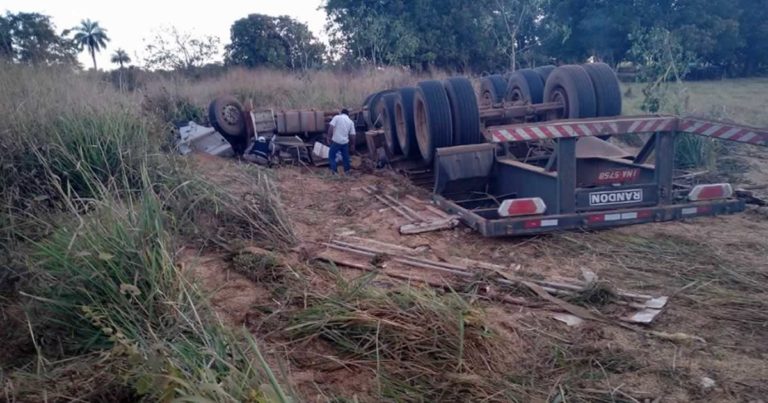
365, 112
492, 90
405, 129
432, 118
465, 116
525, 86
571, 86
226, 116
373, 119
386, 110
544, 71
607, 91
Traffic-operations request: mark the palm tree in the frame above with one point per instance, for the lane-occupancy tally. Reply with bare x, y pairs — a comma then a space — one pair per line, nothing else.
91, 36
120, 57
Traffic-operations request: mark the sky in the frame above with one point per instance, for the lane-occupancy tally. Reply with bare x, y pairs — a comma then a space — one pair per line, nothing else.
130, 22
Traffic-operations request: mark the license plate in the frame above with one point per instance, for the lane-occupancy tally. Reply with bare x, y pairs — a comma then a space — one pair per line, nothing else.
616, 197
619, 175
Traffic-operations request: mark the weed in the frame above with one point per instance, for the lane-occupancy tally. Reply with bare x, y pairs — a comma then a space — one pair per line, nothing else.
258, 266
428, 347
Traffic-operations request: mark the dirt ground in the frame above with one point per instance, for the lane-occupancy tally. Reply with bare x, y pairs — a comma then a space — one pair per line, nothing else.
713, 269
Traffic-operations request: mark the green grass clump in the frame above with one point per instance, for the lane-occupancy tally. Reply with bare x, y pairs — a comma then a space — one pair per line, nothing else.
425, 346
95, 216
110, 284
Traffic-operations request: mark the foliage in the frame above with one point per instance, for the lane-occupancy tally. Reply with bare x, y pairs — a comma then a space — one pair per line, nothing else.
99, 213
120, 57
663, 59
89, 35
665, 62
171, 49
452, 34
491, 35
282, 42
30, 38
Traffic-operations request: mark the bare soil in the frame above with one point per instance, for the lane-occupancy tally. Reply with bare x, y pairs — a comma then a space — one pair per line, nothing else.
714, 269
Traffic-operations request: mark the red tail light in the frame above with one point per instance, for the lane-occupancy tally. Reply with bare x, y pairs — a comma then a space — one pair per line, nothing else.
711, 192
520, 207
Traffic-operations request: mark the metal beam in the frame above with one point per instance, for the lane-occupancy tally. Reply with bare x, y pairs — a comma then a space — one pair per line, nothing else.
646, 151
566, 175
665, 165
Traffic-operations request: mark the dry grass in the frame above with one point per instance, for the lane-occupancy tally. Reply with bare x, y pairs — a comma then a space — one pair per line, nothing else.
285, 90
94, 214
742, 100
424, 346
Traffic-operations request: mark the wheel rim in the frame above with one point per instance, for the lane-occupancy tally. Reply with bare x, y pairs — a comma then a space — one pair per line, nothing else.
230, 115
386, 124
486, 100
515, 95
560, 97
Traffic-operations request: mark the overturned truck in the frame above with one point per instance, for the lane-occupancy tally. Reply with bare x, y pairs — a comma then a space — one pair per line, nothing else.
530, 152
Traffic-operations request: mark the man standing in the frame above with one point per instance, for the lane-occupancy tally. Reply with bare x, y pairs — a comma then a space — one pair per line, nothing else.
340, 130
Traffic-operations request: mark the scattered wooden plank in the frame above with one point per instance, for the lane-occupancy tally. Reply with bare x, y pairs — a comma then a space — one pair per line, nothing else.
429, 226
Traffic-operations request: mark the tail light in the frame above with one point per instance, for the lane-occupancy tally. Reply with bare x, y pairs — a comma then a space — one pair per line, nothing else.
521, 207
711, 192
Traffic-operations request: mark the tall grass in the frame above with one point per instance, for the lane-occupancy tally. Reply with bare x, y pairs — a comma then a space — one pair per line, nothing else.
109, 282
95, 215
287, 90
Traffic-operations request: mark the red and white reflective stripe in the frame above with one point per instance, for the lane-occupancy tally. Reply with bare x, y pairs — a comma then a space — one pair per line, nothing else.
711, 192
608, 217
565, 129
723, 131
530, 224
519, 207
696, 210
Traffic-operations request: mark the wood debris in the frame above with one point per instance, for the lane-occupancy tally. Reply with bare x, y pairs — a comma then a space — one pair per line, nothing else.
427, 220
392, 259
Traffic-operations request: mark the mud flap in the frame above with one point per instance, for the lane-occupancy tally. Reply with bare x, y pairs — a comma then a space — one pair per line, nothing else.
463, 169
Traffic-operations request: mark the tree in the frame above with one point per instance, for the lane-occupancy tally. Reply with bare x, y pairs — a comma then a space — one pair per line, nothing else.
120, 57
753, 25
480, 36
6, 38
89, 35
281, 42
171, 49
31, 38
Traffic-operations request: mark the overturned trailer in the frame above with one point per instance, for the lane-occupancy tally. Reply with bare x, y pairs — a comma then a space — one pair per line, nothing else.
531, 151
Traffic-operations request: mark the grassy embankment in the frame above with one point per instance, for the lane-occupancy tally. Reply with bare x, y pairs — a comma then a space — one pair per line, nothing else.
97, 305
94, 303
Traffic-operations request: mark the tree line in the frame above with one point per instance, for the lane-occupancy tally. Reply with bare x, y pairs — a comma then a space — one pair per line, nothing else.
494, 35
478, 36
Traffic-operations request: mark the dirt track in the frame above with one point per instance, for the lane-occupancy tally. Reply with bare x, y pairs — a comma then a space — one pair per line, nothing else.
706, 265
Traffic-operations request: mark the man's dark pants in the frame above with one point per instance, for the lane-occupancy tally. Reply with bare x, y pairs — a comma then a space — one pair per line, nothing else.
335, 149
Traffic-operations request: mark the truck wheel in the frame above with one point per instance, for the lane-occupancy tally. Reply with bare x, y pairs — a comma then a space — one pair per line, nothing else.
385, 109
544, 71
432, 118
464, 112
406, 131
374, 120
492, 90
607, 91
570, 86
525, 86
365, 113
226, 116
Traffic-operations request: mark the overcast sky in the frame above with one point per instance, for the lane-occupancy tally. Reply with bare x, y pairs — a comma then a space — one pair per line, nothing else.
129, 22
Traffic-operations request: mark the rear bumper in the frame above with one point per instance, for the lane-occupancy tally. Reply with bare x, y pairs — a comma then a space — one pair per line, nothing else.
532, 225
